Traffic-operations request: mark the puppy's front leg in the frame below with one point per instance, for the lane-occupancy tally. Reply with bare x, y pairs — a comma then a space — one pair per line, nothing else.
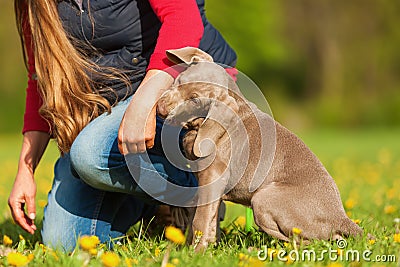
212, 183
204, 225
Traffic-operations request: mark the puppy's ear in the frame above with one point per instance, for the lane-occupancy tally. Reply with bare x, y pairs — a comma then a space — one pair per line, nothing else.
220, 117
188, 55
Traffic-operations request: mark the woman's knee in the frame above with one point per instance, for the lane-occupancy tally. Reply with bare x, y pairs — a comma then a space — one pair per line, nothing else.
84, 155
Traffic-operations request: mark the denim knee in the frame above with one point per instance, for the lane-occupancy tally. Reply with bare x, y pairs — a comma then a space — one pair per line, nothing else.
88, 160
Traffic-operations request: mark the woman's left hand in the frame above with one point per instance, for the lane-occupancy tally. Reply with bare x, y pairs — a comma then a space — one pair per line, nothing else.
138, 126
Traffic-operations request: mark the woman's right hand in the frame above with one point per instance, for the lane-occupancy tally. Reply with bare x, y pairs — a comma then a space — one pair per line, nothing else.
23, 195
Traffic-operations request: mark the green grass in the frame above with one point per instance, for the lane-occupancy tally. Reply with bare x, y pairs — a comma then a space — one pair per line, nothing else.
364, 163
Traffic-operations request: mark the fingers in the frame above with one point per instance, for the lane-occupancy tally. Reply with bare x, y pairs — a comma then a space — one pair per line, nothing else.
20, 218
134, 144
150, 143
126, 147
31, 208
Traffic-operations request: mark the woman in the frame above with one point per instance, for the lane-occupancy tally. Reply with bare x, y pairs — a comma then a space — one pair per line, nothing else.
96, 70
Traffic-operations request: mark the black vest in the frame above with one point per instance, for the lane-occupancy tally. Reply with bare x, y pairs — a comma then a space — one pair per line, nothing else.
124, 32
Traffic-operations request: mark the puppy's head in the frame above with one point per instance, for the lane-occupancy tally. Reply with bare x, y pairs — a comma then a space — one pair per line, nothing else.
201, 91
195, 89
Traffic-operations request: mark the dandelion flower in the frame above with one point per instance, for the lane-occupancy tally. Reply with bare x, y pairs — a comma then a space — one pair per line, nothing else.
296, 231
129, 262
7, 241
254, 262
93, 251
110, 259
356, 221
350, 203
334, 264
372, 241
198, 233
396, 238
170, 265
17, 259
88, 242
42, 203
243, 256
175, 235
175, 261
389, 209
240, 221
157, 252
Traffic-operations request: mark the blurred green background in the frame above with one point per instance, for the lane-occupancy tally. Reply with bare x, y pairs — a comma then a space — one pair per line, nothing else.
328, 63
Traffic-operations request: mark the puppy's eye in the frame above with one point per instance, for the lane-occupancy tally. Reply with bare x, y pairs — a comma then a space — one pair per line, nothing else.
195, 100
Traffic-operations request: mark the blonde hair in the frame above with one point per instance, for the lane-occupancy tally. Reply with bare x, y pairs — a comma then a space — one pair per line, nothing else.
64, 73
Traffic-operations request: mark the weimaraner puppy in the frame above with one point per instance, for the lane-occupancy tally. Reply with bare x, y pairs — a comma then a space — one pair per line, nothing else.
243, 155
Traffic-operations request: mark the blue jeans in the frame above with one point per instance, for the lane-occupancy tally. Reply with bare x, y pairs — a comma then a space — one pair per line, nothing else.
93, 191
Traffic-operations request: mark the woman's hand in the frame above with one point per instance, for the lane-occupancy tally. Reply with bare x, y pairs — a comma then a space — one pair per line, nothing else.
138, 126
23, 192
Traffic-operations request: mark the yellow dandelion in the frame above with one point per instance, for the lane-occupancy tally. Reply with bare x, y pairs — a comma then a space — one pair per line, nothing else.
175, 235
17, 259
170, 265
43, 247
371, 241
198, 233
243, 257
240, 221
350, 203
175, 261
31, 257
356, 221
389, 209
7, 241
42, 203
391, 193
130, 262
254, 262
296, 231
110, 259
157, 252
93, 251
334, 264
396, 238
88, 242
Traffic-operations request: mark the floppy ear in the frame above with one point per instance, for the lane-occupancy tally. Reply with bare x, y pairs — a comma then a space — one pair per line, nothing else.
220, 116
188, 55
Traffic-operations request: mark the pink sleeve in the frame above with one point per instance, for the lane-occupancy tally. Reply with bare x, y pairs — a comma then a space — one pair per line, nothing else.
181, 26
33, 121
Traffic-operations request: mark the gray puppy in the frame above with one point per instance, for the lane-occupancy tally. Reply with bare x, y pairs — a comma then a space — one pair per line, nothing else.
242, 155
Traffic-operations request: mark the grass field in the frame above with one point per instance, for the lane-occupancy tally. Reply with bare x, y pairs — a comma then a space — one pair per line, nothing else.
364, 163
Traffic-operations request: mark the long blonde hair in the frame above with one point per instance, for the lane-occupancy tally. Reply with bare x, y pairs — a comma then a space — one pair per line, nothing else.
64, 73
